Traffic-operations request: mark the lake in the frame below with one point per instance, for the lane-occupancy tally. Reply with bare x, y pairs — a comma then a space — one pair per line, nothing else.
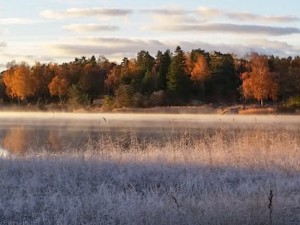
23, 132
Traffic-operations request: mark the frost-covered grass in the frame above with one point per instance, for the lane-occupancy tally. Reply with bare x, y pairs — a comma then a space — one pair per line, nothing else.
220, 177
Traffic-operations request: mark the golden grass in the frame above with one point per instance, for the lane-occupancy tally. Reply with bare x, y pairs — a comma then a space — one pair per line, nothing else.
252, 111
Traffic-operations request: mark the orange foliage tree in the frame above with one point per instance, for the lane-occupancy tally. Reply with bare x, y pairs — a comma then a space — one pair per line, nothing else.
59, 87
259, 83
199, 70
60, 83
19, 82
42, 75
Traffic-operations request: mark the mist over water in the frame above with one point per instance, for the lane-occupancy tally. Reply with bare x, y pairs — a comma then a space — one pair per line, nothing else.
23, 132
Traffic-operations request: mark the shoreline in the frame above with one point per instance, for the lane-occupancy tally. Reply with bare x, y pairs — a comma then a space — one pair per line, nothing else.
210, 109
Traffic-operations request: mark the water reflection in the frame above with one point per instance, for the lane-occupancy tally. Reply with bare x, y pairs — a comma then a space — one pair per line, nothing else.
23, 136
21, 139
16, 140
55, 140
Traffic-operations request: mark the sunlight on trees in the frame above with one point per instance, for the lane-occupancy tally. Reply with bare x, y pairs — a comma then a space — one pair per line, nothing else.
19, 82
171, 78
259, 83
59, 87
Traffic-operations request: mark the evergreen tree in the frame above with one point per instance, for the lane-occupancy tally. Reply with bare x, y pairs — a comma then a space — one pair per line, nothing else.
178, 81
163, 61
223, 85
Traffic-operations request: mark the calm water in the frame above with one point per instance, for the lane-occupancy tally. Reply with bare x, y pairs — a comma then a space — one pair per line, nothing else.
24, 132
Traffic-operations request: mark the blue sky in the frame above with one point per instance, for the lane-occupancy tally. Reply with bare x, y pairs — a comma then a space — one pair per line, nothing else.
60, 30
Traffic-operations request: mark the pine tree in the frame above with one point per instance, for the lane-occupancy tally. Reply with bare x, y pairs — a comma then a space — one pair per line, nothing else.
178, 81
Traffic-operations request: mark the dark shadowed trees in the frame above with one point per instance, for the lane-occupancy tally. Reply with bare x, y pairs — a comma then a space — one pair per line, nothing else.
178, 82
162, 64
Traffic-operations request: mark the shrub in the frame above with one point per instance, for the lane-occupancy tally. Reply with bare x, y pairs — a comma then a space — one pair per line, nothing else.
293, 102
77, 97
124, 95
139, 100
157, 98
108, 102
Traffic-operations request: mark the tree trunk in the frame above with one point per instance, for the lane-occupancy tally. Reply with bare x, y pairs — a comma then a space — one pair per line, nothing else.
202, 89
261, 102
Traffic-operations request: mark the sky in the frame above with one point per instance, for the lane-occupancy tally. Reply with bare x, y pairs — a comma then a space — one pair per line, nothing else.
60, 30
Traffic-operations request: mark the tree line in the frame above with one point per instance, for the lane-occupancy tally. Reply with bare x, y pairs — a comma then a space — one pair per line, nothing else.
169, 78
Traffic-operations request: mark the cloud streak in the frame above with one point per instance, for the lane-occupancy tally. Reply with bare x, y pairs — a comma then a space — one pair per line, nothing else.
171, 16
85, 12
107, 46
123, 47
246, 16
213, 13
230, 28
90, 28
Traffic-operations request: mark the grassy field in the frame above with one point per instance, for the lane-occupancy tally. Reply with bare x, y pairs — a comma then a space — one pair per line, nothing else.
222, 177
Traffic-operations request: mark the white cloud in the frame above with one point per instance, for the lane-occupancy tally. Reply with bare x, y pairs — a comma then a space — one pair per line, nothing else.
16, 21
166, 12
2, 44
171, 16
209, 12
90, 27
84, 12
263, 46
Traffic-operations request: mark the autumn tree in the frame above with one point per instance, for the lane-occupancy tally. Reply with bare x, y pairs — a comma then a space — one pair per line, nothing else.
92, 80
259, 83
131, 74
199, 70
42, 75
59, 85
113, 79
19, 82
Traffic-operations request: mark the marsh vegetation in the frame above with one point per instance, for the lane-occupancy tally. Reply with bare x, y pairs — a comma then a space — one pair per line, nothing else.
219, 176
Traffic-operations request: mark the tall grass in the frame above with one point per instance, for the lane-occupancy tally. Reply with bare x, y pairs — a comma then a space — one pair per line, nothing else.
220, 177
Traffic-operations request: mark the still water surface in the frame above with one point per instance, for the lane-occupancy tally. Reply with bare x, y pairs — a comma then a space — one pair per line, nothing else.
21, 132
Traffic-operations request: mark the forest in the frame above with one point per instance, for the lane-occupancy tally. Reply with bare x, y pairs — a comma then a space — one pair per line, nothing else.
170, 78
